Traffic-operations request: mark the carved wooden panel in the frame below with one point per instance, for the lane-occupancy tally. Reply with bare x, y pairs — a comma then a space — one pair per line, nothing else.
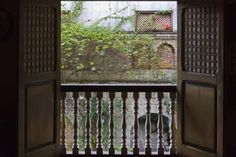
40, 39
199, 116
40, 113
200, 49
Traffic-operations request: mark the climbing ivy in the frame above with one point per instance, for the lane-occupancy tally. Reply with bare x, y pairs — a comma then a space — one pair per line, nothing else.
163, 12
81, 43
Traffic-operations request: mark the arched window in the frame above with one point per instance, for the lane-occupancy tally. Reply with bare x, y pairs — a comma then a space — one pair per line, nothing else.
166, 57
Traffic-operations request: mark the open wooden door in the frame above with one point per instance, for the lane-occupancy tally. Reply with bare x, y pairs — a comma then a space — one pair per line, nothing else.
199, 78
39, 82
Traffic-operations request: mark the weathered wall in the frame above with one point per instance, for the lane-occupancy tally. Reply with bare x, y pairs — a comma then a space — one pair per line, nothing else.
95, 10
119, 73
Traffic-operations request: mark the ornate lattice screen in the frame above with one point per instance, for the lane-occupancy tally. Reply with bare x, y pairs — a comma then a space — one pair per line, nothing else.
200, 49
152, 21
40, 39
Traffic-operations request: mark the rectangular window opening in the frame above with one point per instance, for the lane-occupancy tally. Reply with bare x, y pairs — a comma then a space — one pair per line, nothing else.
125, 44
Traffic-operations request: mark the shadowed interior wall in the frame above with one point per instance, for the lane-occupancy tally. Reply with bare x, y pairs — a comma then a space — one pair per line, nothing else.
9, 77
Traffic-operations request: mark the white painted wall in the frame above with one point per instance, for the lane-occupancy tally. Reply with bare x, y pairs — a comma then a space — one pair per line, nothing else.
94, 10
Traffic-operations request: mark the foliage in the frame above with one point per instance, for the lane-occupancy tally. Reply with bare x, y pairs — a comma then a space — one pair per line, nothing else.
163, 12
93, 118
82, 44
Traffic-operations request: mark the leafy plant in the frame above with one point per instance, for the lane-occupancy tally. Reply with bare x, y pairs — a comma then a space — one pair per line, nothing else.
106, 121
85, 47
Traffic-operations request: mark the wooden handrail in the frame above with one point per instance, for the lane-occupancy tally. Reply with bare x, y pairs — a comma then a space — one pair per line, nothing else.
118, 88
70, 96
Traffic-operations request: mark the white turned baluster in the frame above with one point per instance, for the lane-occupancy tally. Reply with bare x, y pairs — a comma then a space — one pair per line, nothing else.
123, 148
111, 145
160, 125
88, 123
99, 124
136, 125
148, 149
173, 149
63, 123
75, 144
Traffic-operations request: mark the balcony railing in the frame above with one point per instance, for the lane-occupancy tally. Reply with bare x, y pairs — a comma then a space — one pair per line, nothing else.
154, 133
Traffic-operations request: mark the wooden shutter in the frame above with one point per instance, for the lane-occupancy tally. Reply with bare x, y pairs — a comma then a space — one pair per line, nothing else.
199, 78
39, 78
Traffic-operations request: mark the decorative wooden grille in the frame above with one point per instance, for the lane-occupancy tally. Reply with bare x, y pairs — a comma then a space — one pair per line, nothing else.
151, 21
40, 45
200, 47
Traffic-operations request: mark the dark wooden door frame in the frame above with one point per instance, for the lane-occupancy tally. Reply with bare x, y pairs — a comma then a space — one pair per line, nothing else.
187, 80
39, 79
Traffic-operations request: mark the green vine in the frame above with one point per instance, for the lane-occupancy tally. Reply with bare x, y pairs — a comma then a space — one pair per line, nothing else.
163, 12
82, 44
